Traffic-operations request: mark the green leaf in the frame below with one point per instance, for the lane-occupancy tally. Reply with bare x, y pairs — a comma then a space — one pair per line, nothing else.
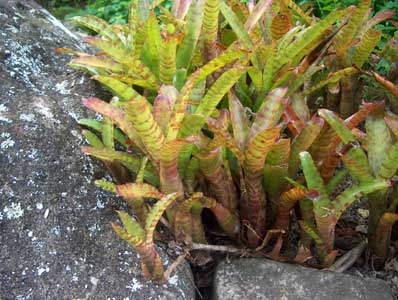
96, 24
390, 164
322, 204
132, 227
217, 91
106, 185
92, 139
338, 125
156, 213
192, 32
367, 44
357, 163
116, 86
302, 143
350, 195
236, 25
378, 139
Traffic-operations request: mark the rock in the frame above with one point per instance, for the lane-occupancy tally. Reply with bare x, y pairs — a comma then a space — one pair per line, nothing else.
263, 279
55, 234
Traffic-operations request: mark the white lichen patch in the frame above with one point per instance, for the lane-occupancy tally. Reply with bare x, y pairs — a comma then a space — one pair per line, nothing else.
134, 285
14, 211
44, 110
3, 111
100, 204
39, 206
62, 87
24, 63
3, 108
4, 119
27, 117
40, 271
173, 280
8, 143
32, 153
94, 281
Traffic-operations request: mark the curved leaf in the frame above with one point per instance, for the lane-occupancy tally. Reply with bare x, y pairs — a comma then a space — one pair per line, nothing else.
131, 191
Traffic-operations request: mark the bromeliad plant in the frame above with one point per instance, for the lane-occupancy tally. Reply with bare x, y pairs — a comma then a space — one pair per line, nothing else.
173, 75
380, 162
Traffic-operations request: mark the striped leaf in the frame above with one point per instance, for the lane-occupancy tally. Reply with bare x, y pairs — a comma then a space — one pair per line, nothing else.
119, 88
302, 143
97, 25
357, 163
139, 113
378, 139
367, 44
131, 191
270, 111
350, 195
156, 213
338, 125
163, 106
217, 91
192, 32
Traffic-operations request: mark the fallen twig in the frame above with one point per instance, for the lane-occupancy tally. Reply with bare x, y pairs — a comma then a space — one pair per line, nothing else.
348, 259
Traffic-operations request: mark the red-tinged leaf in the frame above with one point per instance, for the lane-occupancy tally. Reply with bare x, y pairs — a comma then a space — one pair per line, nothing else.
170, 180
131, 191
163, 105
183, 219
287, 202
117, 115
211, 165
227, 220
180, 108
380, 243
388, 85
293, 121
380, 17
239, 120
255, 154
139, 113
225, 139
270, 111
332, 158
360, 116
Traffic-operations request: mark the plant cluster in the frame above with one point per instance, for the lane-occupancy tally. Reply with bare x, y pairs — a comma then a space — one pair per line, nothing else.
213, 110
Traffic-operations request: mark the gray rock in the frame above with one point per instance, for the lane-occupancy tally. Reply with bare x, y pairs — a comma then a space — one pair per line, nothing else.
252, 279
55, 234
